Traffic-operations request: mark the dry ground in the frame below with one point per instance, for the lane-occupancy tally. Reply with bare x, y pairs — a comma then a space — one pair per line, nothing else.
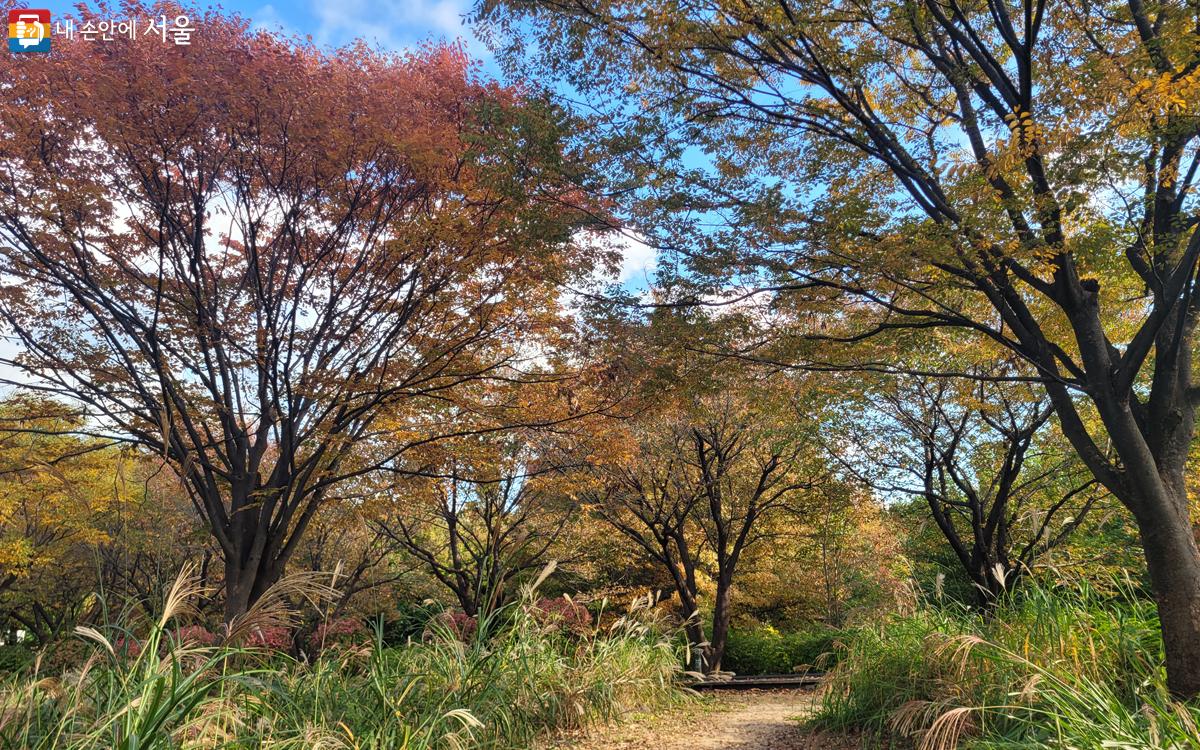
749, 720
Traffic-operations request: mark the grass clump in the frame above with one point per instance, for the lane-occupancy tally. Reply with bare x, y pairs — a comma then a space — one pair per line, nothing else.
1058, 669
520, 676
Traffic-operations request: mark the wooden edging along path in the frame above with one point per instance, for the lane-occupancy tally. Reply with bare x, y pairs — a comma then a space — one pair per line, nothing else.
760, 682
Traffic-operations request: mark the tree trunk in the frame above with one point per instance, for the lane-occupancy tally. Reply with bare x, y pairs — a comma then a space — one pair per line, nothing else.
695, 635
720, 629
237, 593
991, 585
245, 584
465, 593
694, 629
1173, 561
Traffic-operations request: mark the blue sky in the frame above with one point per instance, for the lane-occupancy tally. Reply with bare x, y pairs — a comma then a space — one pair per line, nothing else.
392, 24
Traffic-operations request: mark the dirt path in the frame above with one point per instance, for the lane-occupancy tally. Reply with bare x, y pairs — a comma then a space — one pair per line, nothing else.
751, 720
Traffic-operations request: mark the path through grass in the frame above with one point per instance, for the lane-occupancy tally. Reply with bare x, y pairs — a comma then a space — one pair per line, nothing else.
749, 720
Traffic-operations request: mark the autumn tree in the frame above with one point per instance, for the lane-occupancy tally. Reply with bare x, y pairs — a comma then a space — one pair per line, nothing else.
483, 513
647, 497
1022, 172
130, 565
694, 491
344, 540
263, 261
983, 460
834, 557
55, 493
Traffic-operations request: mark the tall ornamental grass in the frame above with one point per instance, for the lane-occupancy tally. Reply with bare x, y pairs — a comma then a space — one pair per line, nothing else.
1054, 668
520, 676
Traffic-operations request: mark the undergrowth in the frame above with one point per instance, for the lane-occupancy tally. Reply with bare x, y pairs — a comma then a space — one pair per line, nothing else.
518, 677
1056, 668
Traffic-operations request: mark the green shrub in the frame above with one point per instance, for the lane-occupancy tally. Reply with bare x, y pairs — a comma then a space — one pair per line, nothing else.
753, 651
765, 650
409, 622
812, 648
15, 658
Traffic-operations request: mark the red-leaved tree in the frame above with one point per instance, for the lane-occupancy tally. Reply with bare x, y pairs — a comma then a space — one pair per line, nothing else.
274, 266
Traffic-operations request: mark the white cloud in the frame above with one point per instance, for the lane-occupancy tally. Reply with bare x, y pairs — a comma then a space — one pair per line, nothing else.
638, 260
267, 18
393, 24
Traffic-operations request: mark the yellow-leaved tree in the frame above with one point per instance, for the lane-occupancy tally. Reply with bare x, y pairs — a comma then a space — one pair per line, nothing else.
1022, 172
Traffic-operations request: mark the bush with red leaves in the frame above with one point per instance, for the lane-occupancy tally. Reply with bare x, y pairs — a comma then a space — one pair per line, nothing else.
273, 638
345, 631
198, 635
459, 623
128, 646
562, 612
